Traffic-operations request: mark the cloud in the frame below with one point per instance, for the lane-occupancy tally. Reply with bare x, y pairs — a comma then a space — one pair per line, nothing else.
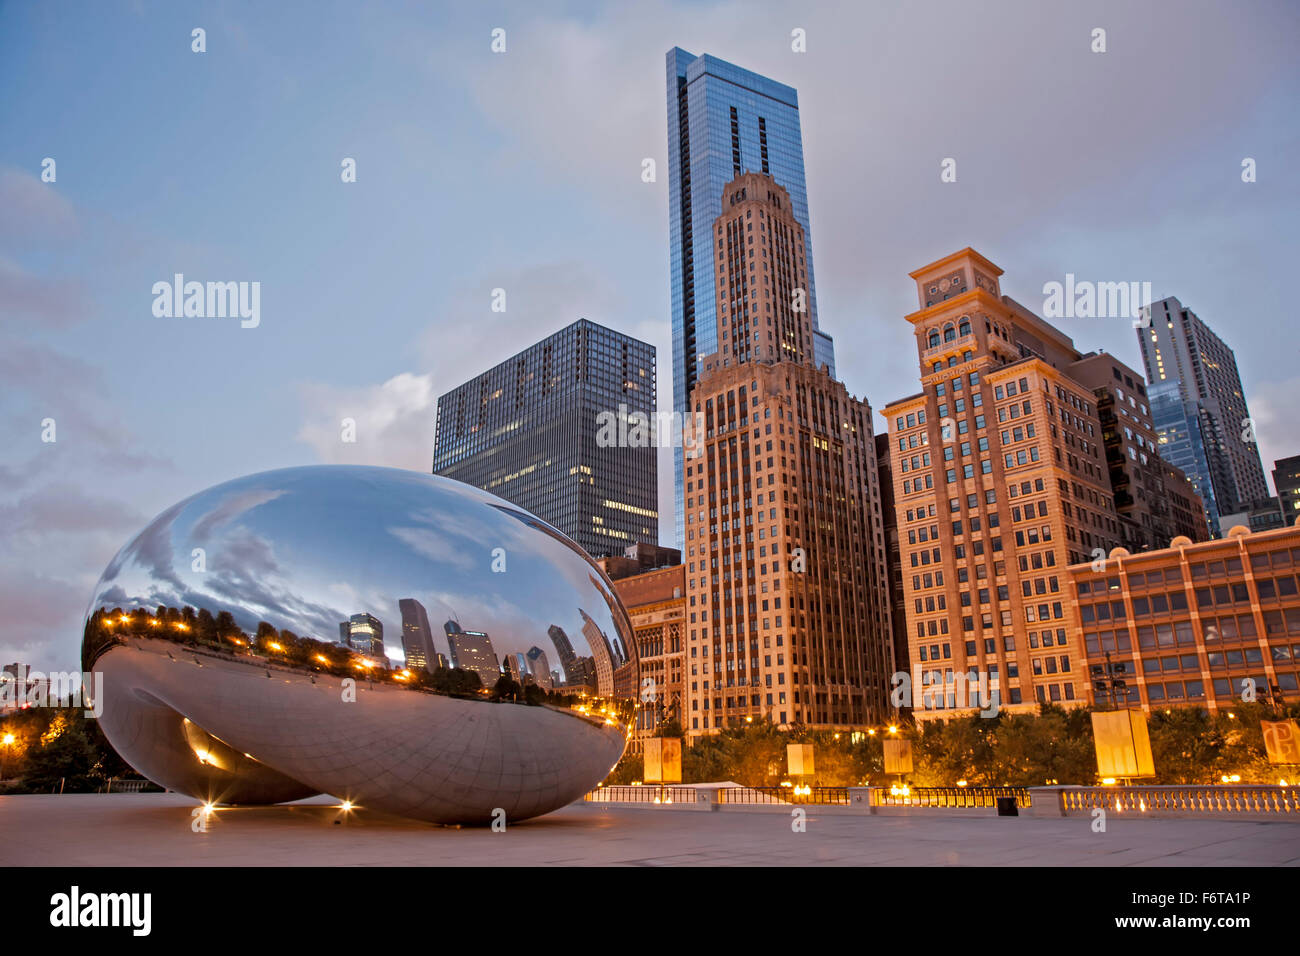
64, 508
33, 209
41, 613
52, 302
467, 338
75, 394
1272, 405
601, 109
394, 422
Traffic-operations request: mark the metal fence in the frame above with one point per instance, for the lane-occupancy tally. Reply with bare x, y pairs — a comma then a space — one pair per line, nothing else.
643, 794
950, 796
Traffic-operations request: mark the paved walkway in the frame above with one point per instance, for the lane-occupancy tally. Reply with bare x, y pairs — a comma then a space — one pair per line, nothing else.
155, 830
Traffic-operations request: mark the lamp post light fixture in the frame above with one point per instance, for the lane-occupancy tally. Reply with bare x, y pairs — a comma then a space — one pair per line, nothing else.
1112, 689
8, 741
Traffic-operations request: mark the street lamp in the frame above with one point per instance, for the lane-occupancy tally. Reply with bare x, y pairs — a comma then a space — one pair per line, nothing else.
8, 741
1111, 688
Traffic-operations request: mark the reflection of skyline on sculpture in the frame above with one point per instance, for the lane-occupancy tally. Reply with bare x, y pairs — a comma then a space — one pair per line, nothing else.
353, 552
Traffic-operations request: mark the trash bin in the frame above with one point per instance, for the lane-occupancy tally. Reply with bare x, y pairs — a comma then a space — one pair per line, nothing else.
1007, 807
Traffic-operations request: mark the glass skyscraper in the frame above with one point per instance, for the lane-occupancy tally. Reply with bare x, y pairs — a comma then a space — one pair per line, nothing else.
1178, 425
1181, 350
530, 431
722, 121
365, 633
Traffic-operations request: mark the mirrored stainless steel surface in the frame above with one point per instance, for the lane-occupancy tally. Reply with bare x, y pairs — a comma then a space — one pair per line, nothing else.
401, 641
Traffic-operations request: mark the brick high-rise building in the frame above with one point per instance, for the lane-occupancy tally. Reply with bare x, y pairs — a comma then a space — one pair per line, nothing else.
1000, 483
722, 121
788, 607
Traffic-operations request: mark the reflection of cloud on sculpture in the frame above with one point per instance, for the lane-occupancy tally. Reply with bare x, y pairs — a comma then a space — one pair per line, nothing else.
264, 566
230, 509
301, 560
431, 544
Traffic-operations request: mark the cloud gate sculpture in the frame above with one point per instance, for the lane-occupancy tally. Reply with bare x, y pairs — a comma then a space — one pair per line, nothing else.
245, 638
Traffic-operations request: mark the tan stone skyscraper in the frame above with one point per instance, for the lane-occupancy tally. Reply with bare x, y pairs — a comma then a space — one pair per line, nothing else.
787, 610
1000, 483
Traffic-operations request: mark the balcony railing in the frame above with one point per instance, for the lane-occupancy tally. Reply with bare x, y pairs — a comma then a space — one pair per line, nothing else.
1276, 802
943, 347
768, 795
1182, 800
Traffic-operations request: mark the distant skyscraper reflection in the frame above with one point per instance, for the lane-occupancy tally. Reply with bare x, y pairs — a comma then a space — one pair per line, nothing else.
472, 651
417, 636
540, 667
365, 633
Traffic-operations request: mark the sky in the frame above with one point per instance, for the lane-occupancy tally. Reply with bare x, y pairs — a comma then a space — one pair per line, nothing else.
522, 170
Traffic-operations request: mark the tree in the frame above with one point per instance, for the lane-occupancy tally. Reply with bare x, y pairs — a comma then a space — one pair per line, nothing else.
505, 688
65, 757
205, 630
630, 767
226, 626
1029, 750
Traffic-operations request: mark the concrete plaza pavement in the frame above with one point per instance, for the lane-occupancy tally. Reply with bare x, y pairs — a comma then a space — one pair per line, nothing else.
156, 829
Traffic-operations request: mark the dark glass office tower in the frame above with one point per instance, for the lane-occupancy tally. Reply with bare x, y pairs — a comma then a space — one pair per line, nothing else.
722, 121
1179, 349
530, 431
1181, 443
417, 636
